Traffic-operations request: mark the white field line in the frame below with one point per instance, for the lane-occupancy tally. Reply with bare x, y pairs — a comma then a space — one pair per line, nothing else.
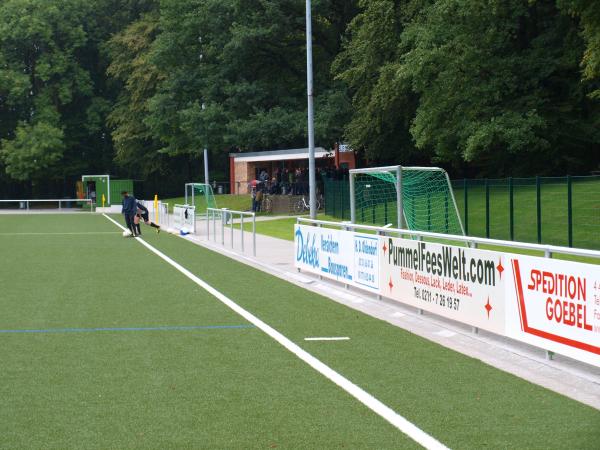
361, 395
59, 233
344, 338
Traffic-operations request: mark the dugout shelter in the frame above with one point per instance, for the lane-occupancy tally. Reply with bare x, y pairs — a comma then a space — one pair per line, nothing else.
96, 186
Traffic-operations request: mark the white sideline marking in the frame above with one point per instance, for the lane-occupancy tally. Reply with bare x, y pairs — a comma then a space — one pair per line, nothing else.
398, 314
361, 395
58, 233
344, 338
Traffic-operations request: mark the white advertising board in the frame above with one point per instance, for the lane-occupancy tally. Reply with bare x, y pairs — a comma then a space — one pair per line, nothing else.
555, 305
344, 256
548, 303
459, 283
184, 216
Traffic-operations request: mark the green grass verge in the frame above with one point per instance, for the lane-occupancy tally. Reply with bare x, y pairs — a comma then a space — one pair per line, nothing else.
235, 202
228, 388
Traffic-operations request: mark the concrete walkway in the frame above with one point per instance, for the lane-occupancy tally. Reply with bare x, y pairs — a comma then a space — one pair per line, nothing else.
276, 257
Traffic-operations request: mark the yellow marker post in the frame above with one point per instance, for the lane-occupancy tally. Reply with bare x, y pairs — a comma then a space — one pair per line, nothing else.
103, 200
156, 208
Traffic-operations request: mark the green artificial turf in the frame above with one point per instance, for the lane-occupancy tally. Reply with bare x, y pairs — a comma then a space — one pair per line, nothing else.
227, 388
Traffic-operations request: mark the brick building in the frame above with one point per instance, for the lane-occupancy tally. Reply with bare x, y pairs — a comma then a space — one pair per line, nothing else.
245, 167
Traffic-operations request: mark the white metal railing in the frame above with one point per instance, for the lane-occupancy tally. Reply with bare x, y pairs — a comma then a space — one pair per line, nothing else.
472, 241
26, 202
159, 216
227, 216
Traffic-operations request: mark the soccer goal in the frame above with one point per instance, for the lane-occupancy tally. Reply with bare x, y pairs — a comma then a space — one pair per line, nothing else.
415, 198
200, 196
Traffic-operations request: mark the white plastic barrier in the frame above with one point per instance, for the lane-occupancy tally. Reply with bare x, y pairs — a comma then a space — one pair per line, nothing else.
159, 216
552, 304
184, 216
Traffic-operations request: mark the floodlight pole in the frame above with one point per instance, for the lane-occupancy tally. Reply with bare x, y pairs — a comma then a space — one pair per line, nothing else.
312, 179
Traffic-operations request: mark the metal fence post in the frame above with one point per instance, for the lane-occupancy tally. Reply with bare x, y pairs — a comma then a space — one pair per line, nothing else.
242, 230
254, 234
428, 213
538, 192
487, 208
466, 189
231, 218
222, 227
208, 211
214, 225
385, 212
511, 208
570, 210
446, 212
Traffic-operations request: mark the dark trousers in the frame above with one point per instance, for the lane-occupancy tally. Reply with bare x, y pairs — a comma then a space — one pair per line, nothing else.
129, 222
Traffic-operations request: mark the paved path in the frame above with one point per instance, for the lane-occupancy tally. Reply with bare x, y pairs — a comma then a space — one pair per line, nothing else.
275, 256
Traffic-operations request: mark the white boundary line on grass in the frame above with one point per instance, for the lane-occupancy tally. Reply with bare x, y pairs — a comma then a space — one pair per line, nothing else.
402, 424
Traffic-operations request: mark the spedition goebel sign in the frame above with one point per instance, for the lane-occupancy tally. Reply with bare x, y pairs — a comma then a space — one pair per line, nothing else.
551, 304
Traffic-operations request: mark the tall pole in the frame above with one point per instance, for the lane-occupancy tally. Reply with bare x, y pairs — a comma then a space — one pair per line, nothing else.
312, 180
206, 166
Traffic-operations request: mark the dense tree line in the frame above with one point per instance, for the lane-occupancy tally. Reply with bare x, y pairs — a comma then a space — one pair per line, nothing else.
140, 87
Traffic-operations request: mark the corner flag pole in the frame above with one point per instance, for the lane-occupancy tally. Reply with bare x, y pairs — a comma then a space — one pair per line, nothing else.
156, 208
312, 181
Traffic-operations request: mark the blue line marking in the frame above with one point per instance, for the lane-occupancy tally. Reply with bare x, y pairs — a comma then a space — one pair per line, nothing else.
171, 328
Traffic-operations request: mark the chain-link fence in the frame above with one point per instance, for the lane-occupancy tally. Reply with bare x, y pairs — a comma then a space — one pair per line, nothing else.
550, 210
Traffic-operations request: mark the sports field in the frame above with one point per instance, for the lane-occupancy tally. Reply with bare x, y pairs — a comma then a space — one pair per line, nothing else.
105, 344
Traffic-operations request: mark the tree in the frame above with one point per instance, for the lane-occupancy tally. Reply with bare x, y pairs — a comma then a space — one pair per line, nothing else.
499, 86
129, 51
234, 76
589, 13
383, 104
39, 43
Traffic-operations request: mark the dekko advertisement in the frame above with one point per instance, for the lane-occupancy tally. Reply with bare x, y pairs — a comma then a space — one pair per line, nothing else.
344, 256
462, 284
555, 305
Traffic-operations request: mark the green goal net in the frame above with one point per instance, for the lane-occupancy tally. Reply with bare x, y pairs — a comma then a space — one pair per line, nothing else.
200, 196
423, 193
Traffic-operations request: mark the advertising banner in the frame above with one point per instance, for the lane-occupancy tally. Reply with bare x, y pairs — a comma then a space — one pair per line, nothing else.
551, 304
555, 305
344, 256
462, 284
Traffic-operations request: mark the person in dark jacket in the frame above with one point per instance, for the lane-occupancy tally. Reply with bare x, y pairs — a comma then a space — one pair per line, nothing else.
142, 213
129, 208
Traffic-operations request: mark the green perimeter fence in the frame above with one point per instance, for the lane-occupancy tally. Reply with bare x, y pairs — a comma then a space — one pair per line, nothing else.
561, 211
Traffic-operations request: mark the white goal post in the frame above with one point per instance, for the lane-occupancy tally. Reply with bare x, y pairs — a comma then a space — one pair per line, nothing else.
414, 198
